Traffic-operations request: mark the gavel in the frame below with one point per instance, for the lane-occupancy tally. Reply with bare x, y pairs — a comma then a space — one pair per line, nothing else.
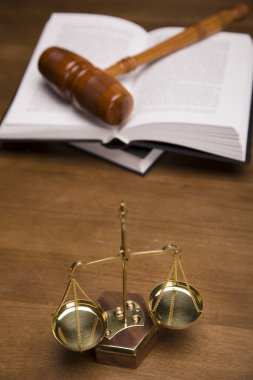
98, 91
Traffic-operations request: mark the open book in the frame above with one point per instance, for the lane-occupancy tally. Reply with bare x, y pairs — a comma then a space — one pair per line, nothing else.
198, 97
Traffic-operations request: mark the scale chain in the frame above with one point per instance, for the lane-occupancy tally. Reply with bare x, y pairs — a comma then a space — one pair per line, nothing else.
61, 335
78, 327
93, 330
64, 298
163, 288
83, 292
188, 287
173, 297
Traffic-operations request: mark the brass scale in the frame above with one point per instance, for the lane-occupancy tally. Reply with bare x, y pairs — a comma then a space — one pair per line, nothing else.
80, 324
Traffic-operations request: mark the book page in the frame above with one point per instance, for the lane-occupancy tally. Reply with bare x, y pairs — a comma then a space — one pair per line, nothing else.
189, 80
208, 83
36, 109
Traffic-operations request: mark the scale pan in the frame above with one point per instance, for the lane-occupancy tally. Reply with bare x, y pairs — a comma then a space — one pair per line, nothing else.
184, 312
93, 325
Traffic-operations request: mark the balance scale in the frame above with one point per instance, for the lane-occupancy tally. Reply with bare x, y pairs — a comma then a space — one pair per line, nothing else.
119, 326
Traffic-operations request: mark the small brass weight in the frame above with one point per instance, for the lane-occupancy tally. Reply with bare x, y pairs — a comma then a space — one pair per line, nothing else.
118, 325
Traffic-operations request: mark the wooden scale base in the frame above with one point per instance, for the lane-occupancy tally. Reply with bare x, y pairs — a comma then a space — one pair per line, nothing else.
129, 347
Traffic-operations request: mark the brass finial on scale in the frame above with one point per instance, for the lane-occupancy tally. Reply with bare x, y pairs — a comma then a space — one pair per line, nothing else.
118, 325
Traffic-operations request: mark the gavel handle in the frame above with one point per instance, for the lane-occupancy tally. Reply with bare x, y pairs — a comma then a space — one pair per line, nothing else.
189, 36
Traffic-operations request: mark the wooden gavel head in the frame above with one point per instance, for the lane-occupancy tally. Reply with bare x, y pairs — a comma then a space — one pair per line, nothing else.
88, 87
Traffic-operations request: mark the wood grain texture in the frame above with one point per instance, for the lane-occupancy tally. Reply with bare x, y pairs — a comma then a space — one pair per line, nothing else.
58, 205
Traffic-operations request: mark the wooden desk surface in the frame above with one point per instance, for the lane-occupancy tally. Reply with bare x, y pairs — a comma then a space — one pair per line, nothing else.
58, 205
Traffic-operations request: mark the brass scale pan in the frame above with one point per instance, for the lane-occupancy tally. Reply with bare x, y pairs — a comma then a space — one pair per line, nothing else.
92, 325
187, 304
187, 308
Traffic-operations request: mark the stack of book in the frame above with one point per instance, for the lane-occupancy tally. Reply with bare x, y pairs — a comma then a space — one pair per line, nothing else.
197, 100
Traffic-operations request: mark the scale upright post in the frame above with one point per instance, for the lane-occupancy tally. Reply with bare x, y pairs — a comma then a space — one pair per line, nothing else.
125, 256
131, 332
